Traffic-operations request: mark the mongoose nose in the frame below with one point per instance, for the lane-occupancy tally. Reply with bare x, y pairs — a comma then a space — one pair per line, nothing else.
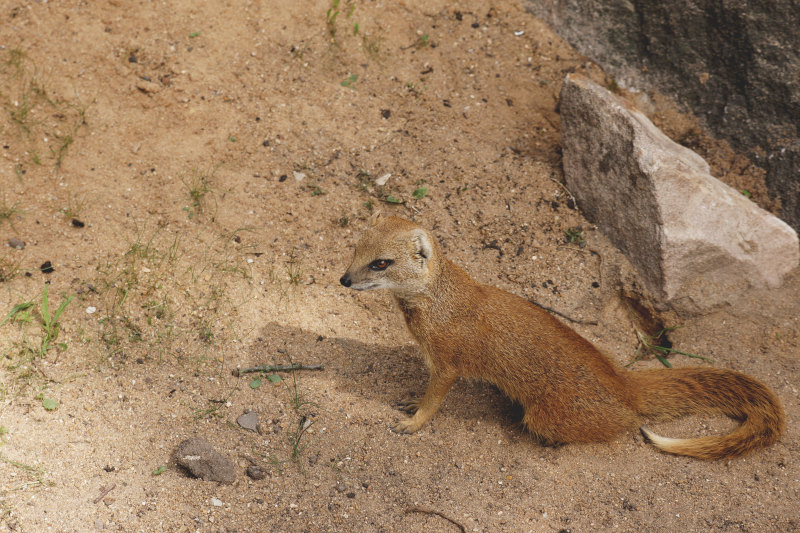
345, 280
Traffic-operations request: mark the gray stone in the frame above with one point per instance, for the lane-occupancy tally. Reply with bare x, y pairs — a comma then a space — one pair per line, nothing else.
255, 472
735, 63
16, 243
248, 420
201, 460
696, 242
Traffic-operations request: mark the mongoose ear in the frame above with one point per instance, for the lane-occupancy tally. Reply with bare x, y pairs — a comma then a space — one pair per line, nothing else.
375, 218
423, 244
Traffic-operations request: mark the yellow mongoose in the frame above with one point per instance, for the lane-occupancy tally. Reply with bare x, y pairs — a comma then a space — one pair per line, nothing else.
570, 391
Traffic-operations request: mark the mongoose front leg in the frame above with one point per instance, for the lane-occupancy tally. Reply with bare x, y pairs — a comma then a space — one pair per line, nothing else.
425, 408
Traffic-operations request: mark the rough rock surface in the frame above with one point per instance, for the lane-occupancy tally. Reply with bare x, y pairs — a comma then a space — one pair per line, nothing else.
696, 242
201, 460
734, 63
248, 420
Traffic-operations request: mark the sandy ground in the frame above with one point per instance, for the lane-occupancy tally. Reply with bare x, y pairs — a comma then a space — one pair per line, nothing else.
197, 175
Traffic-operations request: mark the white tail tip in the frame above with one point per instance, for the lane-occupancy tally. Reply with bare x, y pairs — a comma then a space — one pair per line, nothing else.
665, 443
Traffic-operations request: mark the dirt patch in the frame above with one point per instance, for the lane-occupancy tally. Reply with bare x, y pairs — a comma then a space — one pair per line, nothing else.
221, 160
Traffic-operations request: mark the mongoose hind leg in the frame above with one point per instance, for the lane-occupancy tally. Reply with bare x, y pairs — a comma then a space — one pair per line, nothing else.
425, 408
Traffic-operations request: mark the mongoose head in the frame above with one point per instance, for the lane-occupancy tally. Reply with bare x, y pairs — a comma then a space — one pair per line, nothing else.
392, 254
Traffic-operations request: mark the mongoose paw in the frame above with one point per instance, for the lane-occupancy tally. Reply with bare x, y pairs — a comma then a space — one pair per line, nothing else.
408, 406
406, 426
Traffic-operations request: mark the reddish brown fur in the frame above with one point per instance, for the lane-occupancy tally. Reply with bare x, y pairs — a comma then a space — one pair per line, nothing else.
570, 391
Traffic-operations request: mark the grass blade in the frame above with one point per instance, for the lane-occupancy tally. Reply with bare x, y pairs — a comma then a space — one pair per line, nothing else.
45, 307
61, 308
17, 309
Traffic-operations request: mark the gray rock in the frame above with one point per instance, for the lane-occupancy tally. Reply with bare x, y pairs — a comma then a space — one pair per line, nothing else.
696, 242
16, 243
255, 472
248, 420
734, 63
201, 460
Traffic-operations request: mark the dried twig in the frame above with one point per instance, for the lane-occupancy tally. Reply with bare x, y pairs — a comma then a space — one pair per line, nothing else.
558, 182
425, 510
104, 493
276, 368
562, 315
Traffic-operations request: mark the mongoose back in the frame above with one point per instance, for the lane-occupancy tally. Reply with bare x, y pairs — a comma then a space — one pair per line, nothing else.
569, 390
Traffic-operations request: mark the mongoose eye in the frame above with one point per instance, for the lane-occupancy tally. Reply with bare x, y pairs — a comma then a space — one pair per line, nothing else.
380, 264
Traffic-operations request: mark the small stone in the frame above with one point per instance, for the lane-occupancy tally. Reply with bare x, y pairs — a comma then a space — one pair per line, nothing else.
381, 181
298, 176
148, 87
99, 525
216, 503
78, 223
16, 243
201, 460
255, 472
91, 309
248, 421
386, 113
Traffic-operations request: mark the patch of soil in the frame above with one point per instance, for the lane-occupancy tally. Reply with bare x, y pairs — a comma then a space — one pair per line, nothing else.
222, 159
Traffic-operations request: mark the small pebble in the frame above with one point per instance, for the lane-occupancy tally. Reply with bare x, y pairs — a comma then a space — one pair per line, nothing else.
248, 420
16, 243
147, 87
91, 309
255, 472
216, 503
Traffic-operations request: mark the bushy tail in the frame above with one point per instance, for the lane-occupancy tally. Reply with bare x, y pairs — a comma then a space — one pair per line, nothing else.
669, 393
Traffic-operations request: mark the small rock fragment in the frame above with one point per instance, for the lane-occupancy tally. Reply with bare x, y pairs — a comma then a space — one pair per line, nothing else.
16, 243
147, 87
201, 460
216, 503
381, 181
298, 176
248, 420
255, 472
